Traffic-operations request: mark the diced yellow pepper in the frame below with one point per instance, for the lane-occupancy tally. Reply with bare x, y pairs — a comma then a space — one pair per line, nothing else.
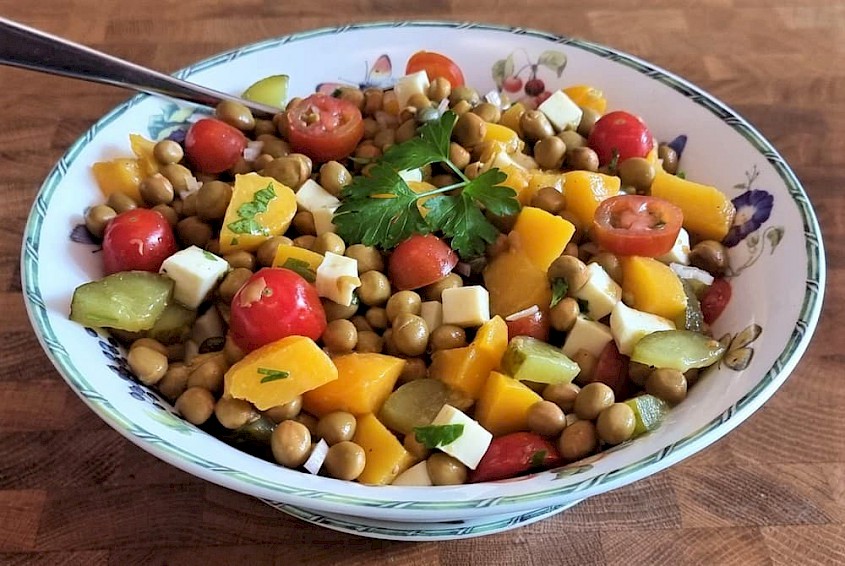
298, 259
512, 116
466, 369
506, 136
503, 405
278, 372
364, 381
386, 458
143, 150
540, 235
587, 97
261, 208
653, 287
584, 191
121, 175
708, 212
531, 288
492, 339
538, 179
422, 187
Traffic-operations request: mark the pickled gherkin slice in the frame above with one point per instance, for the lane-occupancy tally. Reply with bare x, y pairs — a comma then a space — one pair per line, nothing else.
129, 300
414, 404
649, 412
677, 349
529, 359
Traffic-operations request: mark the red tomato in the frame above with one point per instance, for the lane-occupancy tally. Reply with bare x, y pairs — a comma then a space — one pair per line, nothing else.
637, 225
419, 261
513, 454
612, 369
435, 65
324, 128
213, 146
622, 133
272, 304
137, 240
715, 299
536, 325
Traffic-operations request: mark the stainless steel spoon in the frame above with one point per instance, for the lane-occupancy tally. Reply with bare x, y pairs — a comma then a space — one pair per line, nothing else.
28, 48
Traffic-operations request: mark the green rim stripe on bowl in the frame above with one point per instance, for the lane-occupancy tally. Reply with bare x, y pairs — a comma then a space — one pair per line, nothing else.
663, 458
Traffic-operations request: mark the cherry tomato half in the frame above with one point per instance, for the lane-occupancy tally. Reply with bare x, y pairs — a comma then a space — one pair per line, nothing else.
213, 146
435, 65
514, 454
620, 133
419, 261
137, 240
637, 225
324, 128
612, 370
715, 299
535, 324
275, 303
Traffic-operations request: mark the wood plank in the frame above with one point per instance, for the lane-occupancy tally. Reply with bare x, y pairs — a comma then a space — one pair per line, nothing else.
20, 514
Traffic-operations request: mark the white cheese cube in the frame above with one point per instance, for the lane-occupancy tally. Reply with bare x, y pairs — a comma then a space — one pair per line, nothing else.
561, 111
409, 175
471, 445
628, 326
432, 313
312, 196
680, 250
324, 219
415, 475
601, 292
586, 335
466, 306
337, 278
195, 272
409, 85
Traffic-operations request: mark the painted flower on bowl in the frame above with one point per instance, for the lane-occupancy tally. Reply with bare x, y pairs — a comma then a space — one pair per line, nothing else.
752, 209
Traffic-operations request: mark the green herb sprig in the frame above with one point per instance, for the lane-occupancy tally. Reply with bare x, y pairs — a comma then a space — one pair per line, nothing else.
432, 436
380, 209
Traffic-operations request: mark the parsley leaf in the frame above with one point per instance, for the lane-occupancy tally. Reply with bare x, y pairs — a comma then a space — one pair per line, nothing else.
301, 267
432, 436
559, 289
246, 223
272, 374
538, 458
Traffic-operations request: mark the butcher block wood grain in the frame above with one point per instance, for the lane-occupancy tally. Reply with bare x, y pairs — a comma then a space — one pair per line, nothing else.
74, 492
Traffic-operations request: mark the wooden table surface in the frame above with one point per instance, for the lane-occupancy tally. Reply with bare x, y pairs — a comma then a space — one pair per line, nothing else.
73, 491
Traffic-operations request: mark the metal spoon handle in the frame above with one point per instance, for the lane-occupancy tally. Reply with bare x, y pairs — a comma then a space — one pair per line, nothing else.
28, 48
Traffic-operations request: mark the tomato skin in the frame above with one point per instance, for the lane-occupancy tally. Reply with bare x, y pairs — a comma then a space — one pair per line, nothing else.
612, 370
324, 128
213, 146
514, 454
637, 225
419, 261
275, 303
435, 66
536, 325
715, 299
137, 240
620, 132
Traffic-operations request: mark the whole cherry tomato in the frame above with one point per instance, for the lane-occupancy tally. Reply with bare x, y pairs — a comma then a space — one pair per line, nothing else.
514, 454
620, 133
275, 303
435, 66
324, 128
637, 225
535, 324
419, 261
137, 240
715, 299
213, 146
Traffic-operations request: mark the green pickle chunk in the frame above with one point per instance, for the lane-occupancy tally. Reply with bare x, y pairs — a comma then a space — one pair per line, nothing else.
677, 349
130, 300
529, 359
649, 412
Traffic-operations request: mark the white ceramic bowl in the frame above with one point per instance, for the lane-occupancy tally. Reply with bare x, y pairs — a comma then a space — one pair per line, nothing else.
769, 326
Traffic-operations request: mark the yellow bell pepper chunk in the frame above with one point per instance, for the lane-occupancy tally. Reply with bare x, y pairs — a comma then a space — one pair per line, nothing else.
708, 212
121, 175
466, 369
584, 191
538, 179
386, 458
506, 136
422, 187
587, 97
298, 259
506, 297
364, 381
512, 116
278, 372
540, 235
653, 287
143, 150
261, 208
491, 340
503, 405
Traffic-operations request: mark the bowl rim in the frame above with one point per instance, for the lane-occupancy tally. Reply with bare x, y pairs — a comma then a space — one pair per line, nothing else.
239, 480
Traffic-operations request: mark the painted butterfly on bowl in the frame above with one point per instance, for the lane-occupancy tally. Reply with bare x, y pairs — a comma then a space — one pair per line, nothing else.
380, 75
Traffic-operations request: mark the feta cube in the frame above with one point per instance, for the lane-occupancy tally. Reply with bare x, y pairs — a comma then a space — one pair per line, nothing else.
601, 292
324, 219
312, 196
195, 272
587, 335
628, 326
409, 85
680, 250
466, 306
415, 475
561, 111
471, 445
432, 313
337, 278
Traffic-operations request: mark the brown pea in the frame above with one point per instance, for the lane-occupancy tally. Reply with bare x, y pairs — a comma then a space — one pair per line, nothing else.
410, 334
546, 418
587, 362
610, 263
193, 232
377, 317
264, 127
213, 199
235, 114
308, 421
549, 152
461, 107
563, 315
384, 139
289, 410
368, 257
306, 241
97, 217
179, 176
458, 155
266, 252
360, 323
369, 341
473, 170
262, 161
583, 159
488, 112
638, 372
149, 343
303, 223
443, 180
240, 258
616, 423
288, 170
469, 130
636, 172
535, 126
464, 93
196, 405
368, 151
189, 205
329, 242
156, 189
148, 364
434, 291
561, 394
340, 336
273, 146
419, 101
167, 152
711, 256
120, 202
373, 98
572, 140
571, 249
168, 212
549, 199
669, 157
374, 289
174, 382
667, 384
592, 400
448, 336
334, 176
336, 311
209, 374
414, 368
577, 440
351, 94
589, 117
345, 461
439, 89
572, 270
445, 470
403, 302
290, 443
371, 128
234, 413
336, 426
233, 281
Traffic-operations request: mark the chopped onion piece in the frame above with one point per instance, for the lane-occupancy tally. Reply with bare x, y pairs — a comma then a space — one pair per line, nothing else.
192, 186
253, 150
317, 457
690, 272
443, 106
523, 313
494, 98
